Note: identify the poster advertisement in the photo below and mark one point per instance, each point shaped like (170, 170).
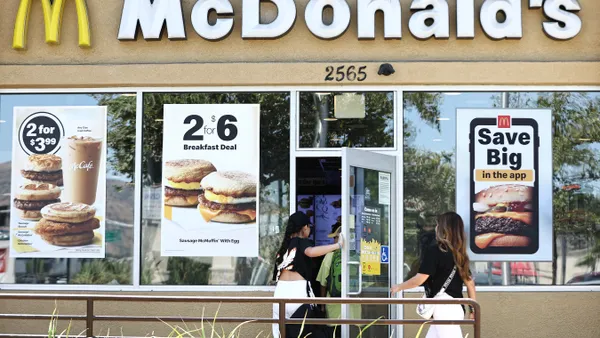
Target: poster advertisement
(210, 180)
(370, 219)
(58, 182)
(370, 247)
(306, 204)
(370, 257)
(504, 183)
(325, 212)
(328, 214)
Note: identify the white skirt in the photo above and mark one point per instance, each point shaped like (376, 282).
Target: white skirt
(446, 312)
(288, 289)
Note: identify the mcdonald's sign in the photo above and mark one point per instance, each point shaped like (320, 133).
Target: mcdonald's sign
(503, 121)
(53, 13)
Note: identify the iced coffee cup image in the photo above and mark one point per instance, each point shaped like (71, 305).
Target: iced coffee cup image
(81, 167)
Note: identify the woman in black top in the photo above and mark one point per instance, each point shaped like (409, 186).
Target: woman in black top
(438, 261)
(293, 265)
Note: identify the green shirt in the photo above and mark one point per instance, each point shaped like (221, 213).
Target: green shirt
(334, 310)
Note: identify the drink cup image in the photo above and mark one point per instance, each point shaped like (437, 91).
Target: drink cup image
(81, 169)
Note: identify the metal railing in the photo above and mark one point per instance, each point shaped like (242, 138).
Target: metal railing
(91, 299)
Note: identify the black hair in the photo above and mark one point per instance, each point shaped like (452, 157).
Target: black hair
(335, 227)
(291, 228)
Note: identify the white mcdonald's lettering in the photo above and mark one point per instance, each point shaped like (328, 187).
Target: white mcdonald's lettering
(152, 17)
(53, 12)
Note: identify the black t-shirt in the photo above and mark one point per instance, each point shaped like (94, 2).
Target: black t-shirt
(295, 259)
(438, 265)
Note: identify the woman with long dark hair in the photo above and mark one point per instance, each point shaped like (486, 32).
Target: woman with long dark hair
(294, 266)
(445, 263)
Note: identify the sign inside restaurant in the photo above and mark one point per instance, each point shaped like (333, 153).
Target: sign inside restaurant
(499, 19)
(210, 181)
(504, 183)
(370, 245)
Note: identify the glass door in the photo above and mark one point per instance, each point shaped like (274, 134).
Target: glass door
(368, 213)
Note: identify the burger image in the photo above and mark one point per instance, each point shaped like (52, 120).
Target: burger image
(182, 181)
(32, 197)
(504, 216)
(228, 197)
(67, 224)
(44, 169)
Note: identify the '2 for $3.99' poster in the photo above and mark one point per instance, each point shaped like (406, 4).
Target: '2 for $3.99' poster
(58, 182)
(210, 180)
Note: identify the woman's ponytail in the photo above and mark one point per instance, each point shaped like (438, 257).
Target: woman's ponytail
(294, 225)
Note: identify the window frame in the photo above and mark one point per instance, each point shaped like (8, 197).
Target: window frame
(394, 90)
(295, 151)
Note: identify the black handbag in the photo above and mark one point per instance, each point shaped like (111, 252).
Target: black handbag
(310, 330)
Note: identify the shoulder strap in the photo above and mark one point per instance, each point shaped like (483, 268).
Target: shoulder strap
(449, 280)
(310, 293)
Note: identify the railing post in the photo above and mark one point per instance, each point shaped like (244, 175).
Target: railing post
(281, 319)
(477, 326)
(89, 319)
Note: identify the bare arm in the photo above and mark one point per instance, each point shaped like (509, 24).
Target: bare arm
(470, 288)
(414, 282)
(471, 294)
(322, 250)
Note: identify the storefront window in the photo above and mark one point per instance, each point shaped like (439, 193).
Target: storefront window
(430, 173)
(273, 194)
(357, 120)
(117, 266)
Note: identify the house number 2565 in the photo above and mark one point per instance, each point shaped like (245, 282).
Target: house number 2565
(345, 73)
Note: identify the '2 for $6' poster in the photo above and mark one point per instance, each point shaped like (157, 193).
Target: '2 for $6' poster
(210, 180)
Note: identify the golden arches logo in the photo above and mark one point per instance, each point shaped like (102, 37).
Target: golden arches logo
(53, 13)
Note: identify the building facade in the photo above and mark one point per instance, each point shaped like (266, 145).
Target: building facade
(385, 77)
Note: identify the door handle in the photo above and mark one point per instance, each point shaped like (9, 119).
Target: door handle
(359, 279)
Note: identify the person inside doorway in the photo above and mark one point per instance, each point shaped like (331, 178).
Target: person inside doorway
(293, 264)
(330, 277)
(445, 260)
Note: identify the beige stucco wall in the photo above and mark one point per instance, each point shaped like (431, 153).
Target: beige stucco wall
(519, 314)
(298, 58)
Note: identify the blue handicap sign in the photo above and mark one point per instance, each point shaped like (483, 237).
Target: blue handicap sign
(385, 254)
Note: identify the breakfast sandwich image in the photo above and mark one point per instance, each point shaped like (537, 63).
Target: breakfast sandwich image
(182, 181)
(228, 197)
(32, 197)
(67, 224)
(43, 169)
